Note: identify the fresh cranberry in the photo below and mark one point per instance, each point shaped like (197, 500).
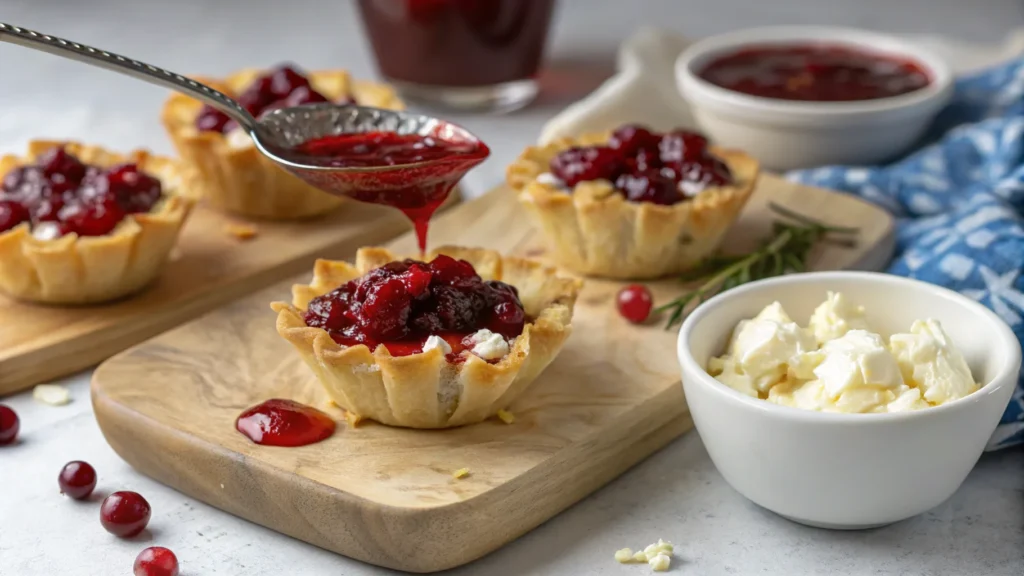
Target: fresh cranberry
(77, 479)
(9, 425)
(654, 186)
(125, 514)
(576, 165)
(12, 214)
(403, 302)
(156, 561)
(634, 303)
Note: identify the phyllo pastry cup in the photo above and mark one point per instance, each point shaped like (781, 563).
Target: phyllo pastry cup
(595, 231)
(73, 269)
(426, 389)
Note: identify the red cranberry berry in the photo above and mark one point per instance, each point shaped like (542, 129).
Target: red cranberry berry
(11, 214)
(576, 165)
(634, 303)
(680, 145)
(9, 425)
(631, 138)
(60, 166)
(211, 120)
(156, 561)
(124, 514)
(77, 479)
(654, 186)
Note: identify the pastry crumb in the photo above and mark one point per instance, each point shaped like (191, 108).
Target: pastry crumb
(460, 473)
(352, 418)
(658, 555)
(624, 556)
(241, 231)
(52, 394)
(506, 416)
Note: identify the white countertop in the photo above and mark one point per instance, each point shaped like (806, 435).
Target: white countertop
(676, 494)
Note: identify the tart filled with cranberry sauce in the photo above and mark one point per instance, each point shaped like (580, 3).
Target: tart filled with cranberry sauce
(408, 305)
(632, 203)
(445, 342)
(81, 225)
(58, 194)
(645, 166)
(281, 87)
(224, 166)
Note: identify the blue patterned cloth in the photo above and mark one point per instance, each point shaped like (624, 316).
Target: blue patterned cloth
(959, 204)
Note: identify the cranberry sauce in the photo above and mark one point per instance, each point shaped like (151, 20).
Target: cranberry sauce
(646, 166)
(817, 73)
(279, 422)
(282, 87)
(401, 304)
(457, 42)
(426, 168)
(66, 196)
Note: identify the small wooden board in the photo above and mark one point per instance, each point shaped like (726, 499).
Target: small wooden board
(386, 495)
(210, 266)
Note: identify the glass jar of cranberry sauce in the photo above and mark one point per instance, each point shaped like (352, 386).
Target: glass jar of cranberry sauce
(462, 54)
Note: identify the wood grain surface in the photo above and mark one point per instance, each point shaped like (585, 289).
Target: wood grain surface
(386, 495)
(209, 267)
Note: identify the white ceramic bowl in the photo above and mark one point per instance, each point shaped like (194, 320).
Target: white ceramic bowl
(785, 134)
(847, 470)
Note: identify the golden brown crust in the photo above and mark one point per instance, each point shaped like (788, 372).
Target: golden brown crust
(595, 231)
(232, 176)
(90, 269)
(424, 390)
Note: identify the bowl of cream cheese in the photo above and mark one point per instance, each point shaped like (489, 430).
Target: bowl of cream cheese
(846, 399)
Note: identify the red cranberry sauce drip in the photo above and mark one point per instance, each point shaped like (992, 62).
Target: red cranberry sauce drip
(279, 422)
(75, 197)
(426, 169)
(815, 73)
(282, 87)
(646, 166)
(401, 304)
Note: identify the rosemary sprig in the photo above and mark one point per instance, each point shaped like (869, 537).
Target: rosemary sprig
(785, 251)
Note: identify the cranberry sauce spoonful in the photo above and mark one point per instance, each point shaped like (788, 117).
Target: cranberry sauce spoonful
(400, 159)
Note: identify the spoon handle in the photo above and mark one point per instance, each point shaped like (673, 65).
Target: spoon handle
(152, 74)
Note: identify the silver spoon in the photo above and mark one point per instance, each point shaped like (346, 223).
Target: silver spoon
(277, 133)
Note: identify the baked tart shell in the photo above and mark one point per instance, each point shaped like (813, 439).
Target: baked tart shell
(424, 390)
(595, 231)
(77, 269)
(235, 177)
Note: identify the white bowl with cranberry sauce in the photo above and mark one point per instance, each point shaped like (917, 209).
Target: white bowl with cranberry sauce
(861, 97)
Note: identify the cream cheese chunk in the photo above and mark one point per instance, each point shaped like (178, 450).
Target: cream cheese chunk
(488, 345)
(838, 364)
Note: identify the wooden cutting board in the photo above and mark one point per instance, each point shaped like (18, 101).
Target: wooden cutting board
(386, 495)
(209, 267)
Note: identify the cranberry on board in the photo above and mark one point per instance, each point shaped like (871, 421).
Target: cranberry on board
(156, 561)
(77, 479)
(634, 303)
(125, 514)
(645, 166)
(9, 425)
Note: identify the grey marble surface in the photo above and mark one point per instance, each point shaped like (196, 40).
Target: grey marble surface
(676, 494)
